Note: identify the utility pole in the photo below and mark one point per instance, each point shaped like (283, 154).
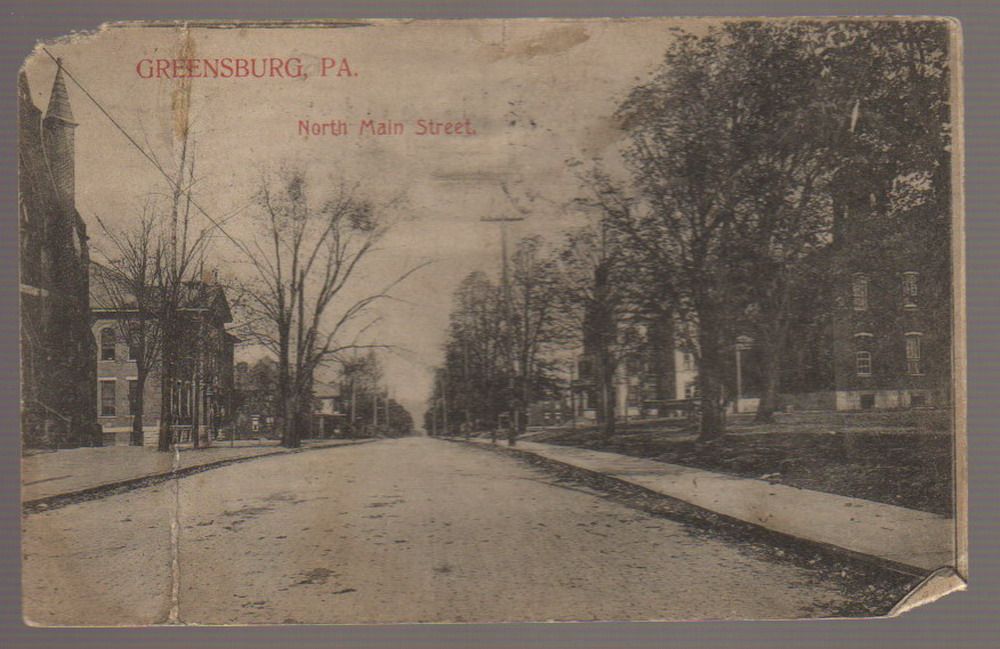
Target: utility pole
(508, 321)
(434, 414)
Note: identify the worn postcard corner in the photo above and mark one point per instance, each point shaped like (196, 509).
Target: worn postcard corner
(483, 321)
(938, 584)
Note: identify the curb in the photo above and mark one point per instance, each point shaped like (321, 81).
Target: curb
(56, 501)
(886, 564)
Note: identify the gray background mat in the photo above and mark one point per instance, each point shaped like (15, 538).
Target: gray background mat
(962, 620)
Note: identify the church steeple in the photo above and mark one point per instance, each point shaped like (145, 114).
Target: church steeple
(59, 107)
(59, 140)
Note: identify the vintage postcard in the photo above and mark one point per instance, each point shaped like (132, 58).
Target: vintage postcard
(375, 322)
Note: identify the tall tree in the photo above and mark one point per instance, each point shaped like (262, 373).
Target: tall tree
(306, 252)
(686, 164)
(475, 353)
(782, 216)
(185, 247)
(594, 283)
(534, 322)
(128, 285)
(362, 389)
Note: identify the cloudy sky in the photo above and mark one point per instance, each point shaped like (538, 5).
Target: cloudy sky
(539, 94)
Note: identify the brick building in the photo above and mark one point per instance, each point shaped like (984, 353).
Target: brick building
(203, 394)
(892, 304)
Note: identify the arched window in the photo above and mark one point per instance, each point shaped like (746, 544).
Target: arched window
(108, 341)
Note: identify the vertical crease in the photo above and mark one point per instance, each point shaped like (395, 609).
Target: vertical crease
(175, 526)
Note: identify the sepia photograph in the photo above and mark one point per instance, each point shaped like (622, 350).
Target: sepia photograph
(487, 321)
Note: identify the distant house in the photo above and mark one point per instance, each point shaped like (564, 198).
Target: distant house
(256, 392)
(329, 416)
(652, 376)
(203, 393)
(58, 365)
(548, 412)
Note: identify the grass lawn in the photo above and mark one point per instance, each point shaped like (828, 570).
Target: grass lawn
(902, 458)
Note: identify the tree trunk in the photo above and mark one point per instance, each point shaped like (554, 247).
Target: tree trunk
(137, 437)
(712, 421)
(606, 392)
(609, 406)
(772, 378)
(773, 340)
(290, 438)
(282, 422)
(303, 411)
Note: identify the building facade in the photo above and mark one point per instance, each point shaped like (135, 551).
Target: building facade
(652, 377)
(892, 305)
(203, 396)
(329, 416)
(58, 366)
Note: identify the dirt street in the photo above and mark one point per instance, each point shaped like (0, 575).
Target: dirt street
(410, 530)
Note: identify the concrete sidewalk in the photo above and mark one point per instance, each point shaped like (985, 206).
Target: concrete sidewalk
(895, 534)
(67, 471)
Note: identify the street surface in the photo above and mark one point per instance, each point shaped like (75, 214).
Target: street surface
(408, 530)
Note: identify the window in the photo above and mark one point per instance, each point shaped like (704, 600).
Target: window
(859, 292)
(133, 395)
(910, 288)
(107, 397)
(108, 344)
(691, 391)
(913, 353)
(863, 363)
(688, 361)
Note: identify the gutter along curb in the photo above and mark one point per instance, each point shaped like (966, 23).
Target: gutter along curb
(57, 501)
(691, 512)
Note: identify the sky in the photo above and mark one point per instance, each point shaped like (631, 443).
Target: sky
(539, 93)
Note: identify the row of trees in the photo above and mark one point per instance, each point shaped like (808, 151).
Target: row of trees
(747, 152)
(366, 402)
(362, 398)
(508, 340)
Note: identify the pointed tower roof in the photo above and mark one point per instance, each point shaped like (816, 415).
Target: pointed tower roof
(59, 99)
(28, 114)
